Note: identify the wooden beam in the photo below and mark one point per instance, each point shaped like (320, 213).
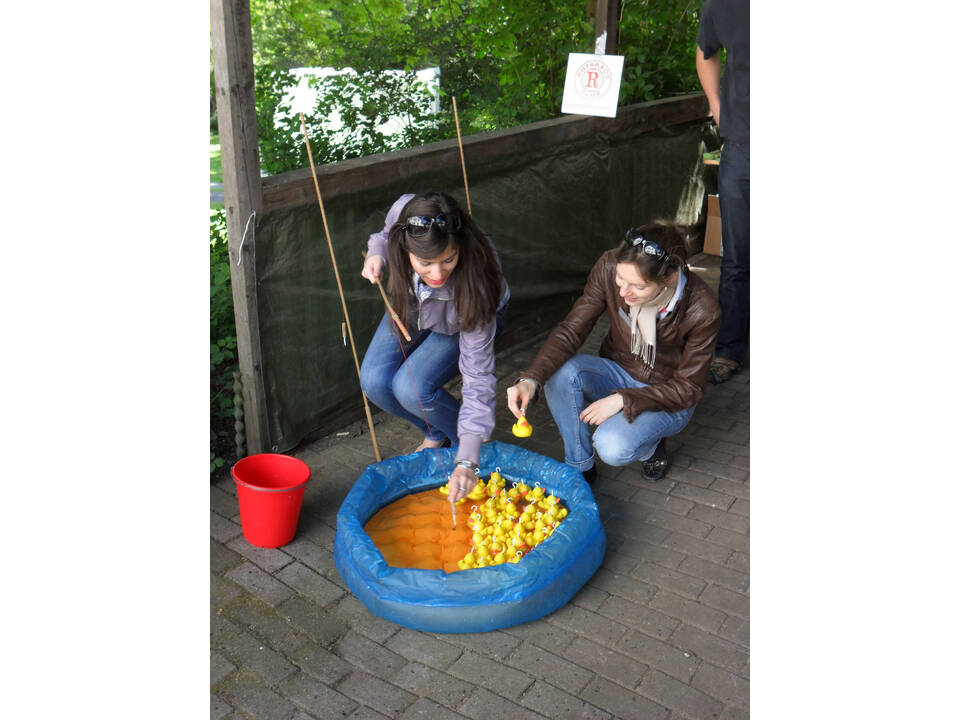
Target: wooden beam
(295, 187)
(243, 196)
(607, 21)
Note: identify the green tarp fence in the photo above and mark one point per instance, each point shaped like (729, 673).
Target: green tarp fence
(550, 212)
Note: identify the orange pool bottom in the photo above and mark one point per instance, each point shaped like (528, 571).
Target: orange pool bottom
(417, 531)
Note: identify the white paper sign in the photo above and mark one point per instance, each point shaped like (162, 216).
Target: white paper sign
(592, 85)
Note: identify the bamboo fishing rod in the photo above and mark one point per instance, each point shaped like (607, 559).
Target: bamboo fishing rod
(390, 310)
(343, 300)
(463, 164)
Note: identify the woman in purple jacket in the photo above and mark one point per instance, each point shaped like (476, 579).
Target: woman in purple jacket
(446, 284)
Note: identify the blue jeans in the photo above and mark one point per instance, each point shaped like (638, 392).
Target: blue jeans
(734, 290)
(401, 388)
(586, 378)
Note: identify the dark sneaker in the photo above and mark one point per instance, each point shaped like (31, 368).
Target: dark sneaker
(590, 475)
(655, 467)
(721, 369)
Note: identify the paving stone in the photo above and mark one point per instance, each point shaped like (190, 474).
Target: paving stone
(222, 558)
(365, 713)
(737, 488)
(704, 549)
(270, 559)
(689, 611)
(683, 583)
(223, 503)
(721, 518)
(222, 529)
(591, 624)
(670, 502)
(368, 655)
(612, 487)
(253, 655)
(480, 670)
(548, 666)
(648, 552)
(496, 644)
(246, 692)
(719, 470)
(739, 461)
(316, 698)
(313, 556)
(323, 664)
(484, 705)
(353, 613)
(717, 574)
(543, 634)
(733, 540)
(711, 648)
(424, 681)
(221, 626)
(675, 523)
(376, 693)
(741, 506)
(608, 663)
(736, 629)
(622, 703)
(722, 685)
(659, 655)
(639, 617)
(260, 583)
(310, 584)
(559, 705)
(679, 696)
(589, 598)
(317, 532)
(219, 708)
(733, 712)
(220, 667)
(425, 709)
(703, 496)
(736, 436)
(692, 477)
(619, 563)
(727, 600)
(222, 591)
(622, 585)
(424, 648)
(322, 625)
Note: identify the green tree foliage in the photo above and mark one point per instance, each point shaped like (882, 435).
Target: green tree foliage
(504, 61)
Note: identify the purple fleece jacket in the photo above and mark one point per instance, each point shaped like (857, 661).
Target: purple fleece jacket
(439, 314)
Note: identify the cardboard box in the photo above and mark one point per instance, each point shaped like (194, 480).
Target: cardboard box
(711, 242)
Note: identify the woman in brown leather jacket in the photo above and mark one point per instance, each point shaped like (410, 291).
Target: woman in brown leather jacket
(653, 363)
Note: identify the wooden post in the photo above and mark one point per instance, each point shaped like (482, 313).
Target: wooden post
(607, 21)
(242, 194)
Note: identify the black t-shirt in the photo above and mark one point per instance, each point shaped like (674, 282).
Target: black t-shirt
(726, 24)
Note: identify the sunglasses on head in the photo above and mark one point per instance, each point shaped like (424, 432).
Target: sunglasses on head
(418, 225)
(647, 247)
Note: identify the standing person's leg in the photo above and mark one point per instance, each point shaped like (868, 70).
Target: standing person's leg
(734, 290)
(580, 381)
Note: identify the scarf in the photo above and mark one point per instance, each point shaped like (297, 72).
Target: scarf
(643, 326)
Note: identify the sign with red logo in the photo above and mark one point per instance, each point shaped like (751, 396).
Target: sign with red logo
(593, 84)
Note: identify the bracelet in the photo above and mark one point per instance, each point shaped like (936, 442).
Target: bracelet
(467, 464)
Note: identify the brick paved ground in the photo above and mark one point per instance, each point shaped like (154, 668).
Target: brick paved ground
(661, 631)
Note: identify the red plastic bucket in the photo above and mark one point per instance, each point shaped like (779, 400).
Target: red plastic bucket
(270, 492)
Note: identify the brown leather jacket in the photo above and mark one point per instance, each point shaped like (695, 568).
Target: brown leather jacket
(685, 340)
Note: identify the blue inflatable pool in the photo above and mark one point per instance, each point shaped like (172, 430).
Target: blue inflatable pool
(479, 599)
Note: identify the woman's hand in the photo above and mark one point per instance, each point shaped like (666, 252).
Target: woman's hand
(519, 396)
(461, 482)
(596, 412)
(373, 268)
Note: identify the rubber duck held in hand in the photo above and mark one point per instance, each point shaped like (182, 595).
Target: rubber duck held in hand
(522, 428)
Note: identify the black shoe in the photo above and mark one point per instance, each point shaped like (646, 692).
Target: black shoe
(721, 369)
(590, 475)
(655, 467)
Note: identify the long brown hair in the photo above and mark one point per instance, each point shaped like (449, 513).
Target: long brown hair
(478, 279)
(669, 237)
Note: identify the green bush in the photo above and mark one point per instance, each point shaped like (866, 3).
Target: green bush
(223, 333)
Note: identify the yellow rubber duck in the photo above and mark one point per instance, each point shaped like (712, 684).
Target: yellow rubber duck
(522, 428)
